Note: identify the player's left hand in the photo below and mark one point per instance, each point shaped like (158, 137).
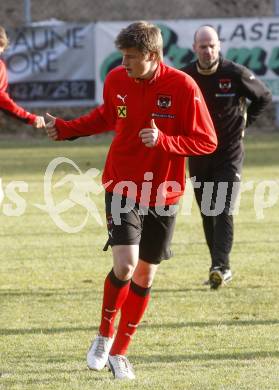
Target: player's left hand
(149, 136)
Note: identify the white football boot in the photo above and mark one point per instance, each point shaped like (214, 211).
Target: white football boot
(120, 367)
(98, 352)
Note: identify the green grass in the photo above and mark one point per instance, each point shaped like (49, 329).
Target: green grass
(190, 338)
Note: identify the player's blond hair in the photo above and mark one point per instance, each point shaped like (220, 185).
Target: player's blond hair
(4, 41)
(143, 36)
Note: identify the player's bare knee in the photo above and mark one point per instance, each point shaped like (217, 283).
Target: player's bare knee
(124, 271)
(144, 274)
(144, 281)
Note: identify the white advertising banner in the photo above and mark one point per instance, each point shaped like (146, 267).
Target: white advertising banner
(253, 42)
(52, 65)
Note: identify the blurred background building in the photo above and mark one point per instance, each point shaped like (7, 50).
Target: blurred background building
(12, 12)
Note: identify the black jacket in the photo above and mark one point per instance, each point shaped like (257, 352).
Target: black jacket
(225, 93)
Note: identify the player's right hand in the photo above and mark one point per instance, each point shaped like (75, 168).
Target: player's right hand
(39, 122)
(50, 127)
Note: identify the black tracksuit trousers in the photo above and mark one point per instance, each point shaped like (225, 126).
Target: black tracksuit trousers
(216, 180)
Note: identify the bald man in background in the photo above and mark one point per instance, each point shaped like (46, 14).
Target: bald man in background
(226, 86)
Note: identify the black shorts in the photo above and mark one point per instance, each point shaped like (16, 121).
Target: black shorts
(150, 228)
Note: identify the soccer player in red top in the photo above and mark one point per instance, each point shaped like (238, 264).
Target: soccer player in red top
(6, 103)
(159, 117)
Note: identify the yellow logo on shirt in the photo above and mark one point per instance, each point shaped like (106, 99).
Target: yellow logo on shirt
(122, 111)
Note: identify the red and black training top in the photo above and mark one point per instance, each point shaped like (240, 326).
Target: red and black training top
(175, 102)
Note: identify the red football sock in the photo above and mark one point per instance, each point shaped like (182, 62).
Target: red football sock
(115, 293)
(131, 314)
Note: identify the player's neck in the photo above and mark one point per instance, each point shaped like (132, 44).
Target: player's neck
(152, 71)
(207, 70)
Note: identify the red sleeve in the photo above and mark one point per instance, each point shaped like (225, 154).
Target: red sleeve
(7, 104)
(99, 120)
(92, 123)
(3, 77)
(199, 134)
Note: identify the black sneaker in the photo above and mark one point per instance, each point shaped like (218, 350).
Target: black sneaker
(218, 278)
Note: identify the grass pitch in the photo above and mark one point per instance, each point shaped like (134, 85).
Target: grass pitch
(191, 338)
